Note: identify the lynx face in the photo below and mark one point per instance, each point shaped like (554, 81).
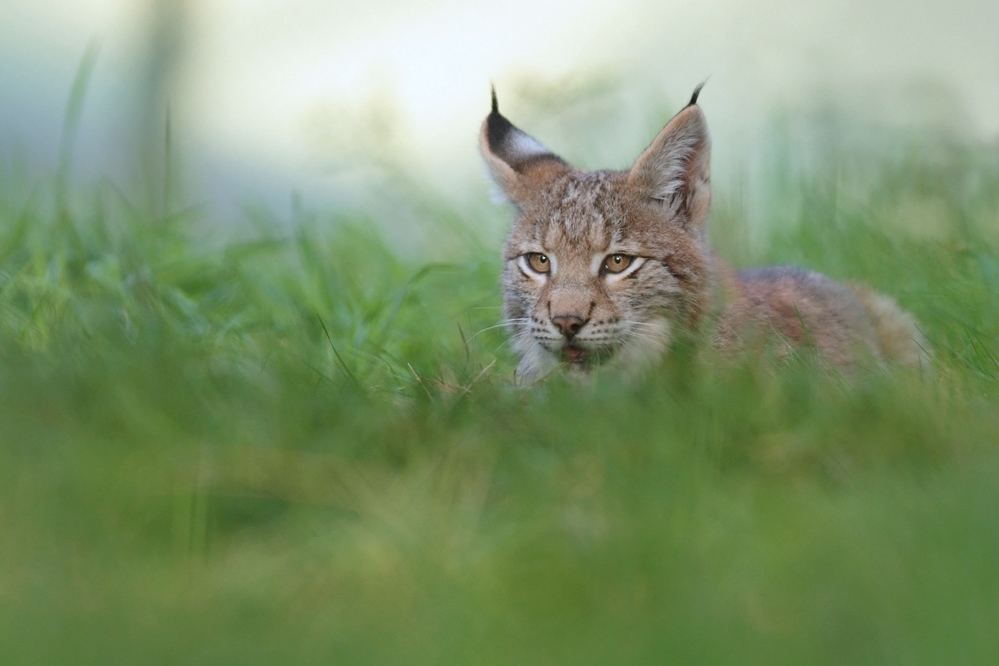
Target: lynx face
(602, 266)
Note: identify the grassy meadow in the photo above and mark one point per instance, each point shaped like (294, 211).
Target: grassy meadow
(303, 445)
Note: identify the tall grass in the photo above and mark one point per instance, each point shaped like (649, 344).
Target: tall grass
(307, 447)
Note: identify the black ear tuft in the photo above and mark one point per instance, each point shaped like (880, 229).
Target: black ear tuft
(495, 103)
(693, 98)
(497, 127)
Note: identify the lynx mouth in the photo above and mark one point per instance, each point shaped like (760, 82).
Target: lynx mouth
(574, 354)
(584, 359)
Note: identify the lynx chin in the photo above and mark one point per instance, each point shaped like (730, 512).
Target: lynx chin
(615, 265)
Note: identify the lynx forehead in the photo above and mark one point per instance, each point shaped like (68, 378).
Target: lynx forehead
(608, 266)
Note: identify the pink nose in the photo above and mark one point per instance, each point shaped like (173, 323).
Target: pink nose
(568, 324)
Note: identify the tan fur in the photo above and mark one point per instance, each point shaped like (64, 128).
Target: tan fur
(899, 336)
(576, 311)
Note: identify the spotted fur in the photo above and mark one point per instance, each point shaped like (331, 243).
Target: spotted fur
(579, 312)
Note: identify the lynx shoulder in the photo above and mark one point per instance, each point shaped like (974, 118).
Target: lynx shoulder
(611, 266)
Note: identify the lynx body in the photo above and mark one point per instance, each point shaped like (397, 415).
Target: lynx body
(614, 265)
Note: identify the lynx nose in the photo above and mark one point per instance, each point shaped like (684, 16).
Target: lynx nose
(568, 324)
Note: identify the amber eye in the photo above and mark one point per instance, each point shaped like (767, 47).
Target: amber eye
(616, 263)
(538, 262)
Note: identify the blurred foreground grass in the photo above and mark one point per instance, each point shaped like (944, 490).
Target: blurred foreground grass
(303, 448)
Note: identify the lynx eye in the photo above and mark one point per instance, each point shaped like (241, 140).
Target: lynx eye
(616, 263)
(538, 262)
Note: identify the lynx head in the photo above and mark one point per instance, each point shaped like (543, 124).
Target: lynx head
(602, 265)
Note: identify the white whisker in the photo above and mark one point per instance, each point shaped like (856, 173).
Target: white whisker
(500, 325)
(647, 324)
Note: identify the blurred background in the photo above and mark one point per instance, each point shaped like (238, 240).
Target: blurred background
(267, 97)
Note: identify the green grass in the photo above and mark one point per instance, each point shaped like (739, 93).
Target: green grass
(304, 448)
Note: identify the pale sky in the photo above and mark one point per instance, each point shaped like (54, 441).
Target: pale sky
(280, 91)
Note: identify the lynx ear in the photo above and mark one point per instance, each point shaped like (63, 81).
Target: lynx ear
(517, 162)
(676, 169)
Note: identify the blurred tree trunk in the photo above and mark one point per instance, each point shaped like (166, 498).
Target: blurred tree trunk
(163, 61)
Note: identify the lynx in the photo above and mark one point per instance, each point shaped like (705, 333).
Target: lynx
(615, 266)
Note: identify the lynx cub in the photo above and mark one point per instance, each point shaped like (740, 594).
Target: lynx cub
(615, 264)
